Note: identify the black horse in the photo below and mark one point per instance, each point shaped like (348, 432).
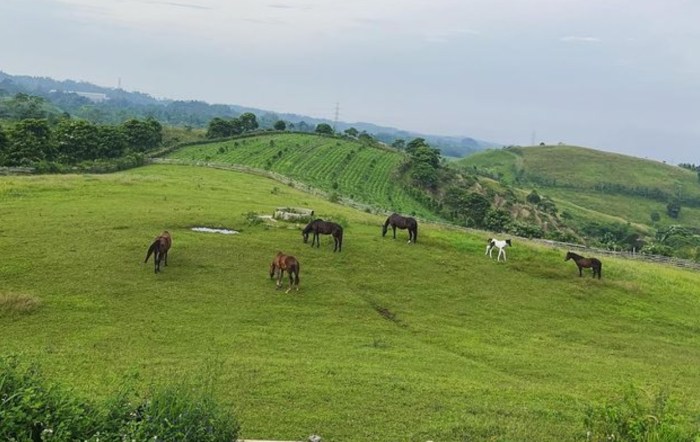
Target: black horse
(159, 249)
(320, 226)
(582, 262)
(402, 222)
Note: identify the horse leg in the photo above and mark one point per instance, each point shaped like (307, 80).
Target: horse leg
(279, 278)
(580, 271)
(165, 256)
(504, 254)
(394, 229)
(318, 239)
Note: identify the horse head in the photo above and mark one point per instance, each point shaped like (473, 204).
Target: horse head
(509, 243)
(305, 235)
(384, 229)
(568, 256)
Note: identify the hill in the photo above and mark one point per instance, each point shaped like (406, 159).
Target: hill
(113, 105)
(367, 174)
(592, 186)
(384, 341)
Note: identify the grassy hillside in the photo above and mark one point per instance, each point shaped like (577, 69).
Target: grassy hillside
(384, 341)
(578, 167)
(596, 186)
(365, 174)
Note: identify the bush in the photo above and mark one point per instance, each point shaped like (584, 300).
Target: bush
(35, 409)
(637, 416)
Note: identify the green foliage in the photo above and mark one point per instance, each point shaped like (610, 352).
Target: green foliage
(324, 128)
(29, 142)
(249, 122)
(655, 217)
(533, 197)
(497, 220)
(143, 135)
(673, 209)
(637, 416)
(280, 125)
(35, 408)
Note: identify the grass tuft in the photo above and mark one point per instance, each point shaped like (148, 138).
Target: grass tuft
(18, 303)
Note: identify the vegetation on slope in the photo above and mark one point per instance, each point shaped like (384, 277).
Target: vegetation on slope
(362, 172)
(384, 341)
(657, 206)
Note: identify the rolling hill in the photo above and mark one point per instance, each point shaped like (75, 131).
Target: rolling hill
(384, 341)
(595, 186)
(367, 174)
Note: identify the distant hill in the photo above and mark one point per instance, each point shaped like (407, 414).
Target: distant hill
(592, 188)
(114, 105)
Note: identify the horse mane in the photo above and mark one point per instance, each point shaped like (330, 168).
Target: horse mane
(573, 255)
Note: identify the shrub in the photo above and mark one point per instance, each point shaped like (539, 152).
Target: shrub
(635, 417)
(34, 409)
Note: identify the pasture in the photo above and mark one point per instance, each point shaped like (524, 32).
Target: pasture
(384, 341)
(363, 173)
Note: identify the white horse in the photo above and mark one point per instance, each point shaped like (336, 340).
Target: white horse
(501, 244)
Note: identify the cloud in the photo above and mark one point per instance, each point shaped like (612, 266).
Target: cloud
(447, 35)
(578, 39)
(184, 5)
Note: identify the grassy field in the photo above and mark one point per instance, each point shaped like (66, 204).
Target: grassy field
(384, 341)
(365, 174)
(574, 171)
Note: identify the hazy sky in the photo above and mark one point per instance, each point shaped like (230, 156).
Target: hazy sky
(617, 75)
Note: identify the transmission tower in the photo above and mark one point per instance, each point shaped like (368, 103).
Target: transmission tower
(337, 112)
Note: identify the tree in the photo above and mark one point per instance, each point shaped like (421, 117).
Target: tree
(497, 220)
(218, 128)
(673, 209)
(76, 140)
(249, 122)
(4, 143)
(351, 132)
(365, 137)
(399, 144)
(112, 141)
(415, 144)
(476, 206)
(533, 197)
(323, 128)
(29, 143)
(280, 125)
(142, 136)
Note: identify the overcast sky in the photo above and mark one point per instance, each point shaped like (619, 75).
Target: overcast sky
(616, 75)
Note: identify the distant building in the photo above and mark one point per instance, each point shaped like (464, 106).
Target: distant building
(95, 97)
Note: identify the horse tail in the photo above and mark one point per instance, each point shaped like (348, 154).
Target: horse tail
(151, 250)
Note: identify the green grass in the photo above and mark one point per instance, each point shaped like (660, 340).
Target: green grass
(365, 174)
(384, 341)
(571, 173)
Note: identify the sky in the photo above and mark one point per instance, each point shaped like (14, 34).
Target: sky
(616, 75)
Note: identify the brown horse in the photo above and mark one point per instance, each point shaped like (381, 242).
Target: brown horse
(582, 262)
(402, 222)
(283, 262)
(320, 226)
(159, 249)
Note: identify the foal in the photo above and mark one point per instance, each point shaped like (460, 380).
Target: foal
(283, 262)
(501, 244)
(159, 249)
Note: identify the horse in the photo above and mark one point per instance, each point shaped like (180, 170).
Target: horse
(582, 262)
(402, 222)
(159, 249)
(283, 262)
(320, 226)
(501, 244)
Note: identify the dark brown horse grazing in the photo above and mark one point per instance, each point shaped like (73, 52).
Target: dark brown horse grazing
(402, 222)
(159, 249)
(320, 226)
(582, 262)
(289, 263)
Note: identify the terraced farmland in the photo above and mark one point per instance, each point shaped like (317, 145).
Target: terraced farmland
(349, 168)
